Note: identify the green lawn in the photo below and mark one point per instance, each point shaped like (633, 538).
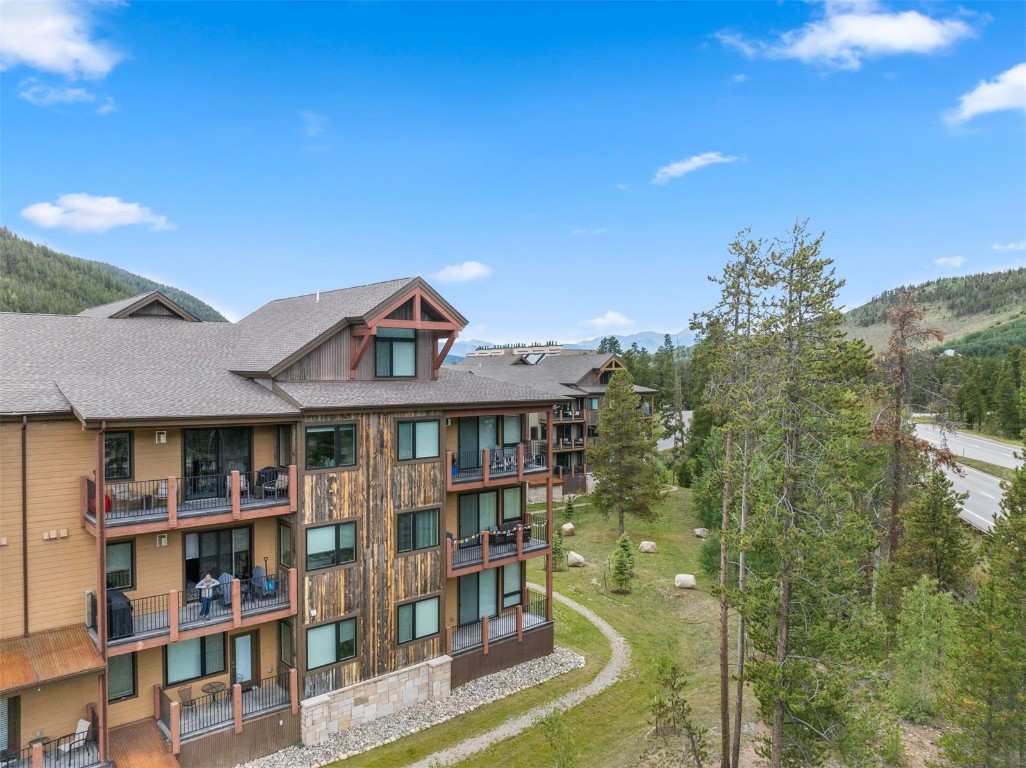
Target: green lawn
(657, 620)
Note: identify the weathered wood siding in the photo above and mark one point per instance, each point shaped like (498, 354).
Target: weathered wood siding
(328, 362)
(372, 493)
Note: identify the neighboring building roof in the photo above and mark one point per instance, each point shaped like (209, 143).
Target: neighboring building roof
(143, 368)
(558, 374)
(282, 328)
(127, 307)
(43, 657)
(453, 388)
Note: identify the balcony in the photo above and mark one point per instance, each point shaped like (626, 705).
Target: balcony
(146, 506)
(497, 546)
(561, 415)
(498, 466)
(181, 716)
(74, 750)
(511, 622)
(144, 622)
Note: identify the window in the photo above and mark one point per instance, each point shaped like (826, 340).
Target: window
(190, 659)
(224, 550)
(285, 651)
(330, 644)
(477, 512)
(331, 446)
(121, 677)
(330, 545)
(418, 440)
(117, 452)
(511, 504)
(395, 352)
(120, 562)
(283, 446)
(418, 530)
(10, 711)
(418, 619)
(478, 596)
(510, 430)
(285, 545)
(593, 403)
(511, 585)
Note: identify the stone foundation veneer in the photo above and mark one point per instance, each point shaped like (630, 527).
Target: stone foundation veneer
(368, 700)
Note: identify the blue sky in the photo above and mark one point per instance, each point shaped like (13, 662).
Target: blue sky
(557, 171)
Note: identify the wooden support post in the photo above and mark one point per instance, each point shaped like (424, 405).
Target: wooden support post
(450, 471)
(236, 494)
(520, 462)
(294, 689)
(486, 469)
(293, 590)
(237, 602)
(520, 623)
(293, 488)
(176, 728)
(173, 603)
(172, 502)
(519, 533)
(37, 756)
(448, 641)
(237, 706)
(484, 635)
(485, 539)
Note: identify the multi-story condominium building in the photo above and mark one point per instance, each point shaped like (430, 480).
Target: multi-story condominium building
(580, 376)
(219, 539)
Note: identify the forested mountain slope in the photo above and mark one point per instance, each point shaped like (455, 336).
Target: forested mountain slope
(979, 314)
(34, 278)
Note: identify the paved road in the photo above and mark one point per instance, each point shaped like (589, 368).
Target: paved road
(972, 446)
(982, 506)
(667, 442)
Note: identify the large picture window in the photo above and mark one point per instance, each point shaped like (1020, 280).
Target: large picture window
(330, 643)
(121, 677)
(417, 620)
(120, 565)
(418, 530)
(330, 545)
(330, 446)
(418, 440)
(395, 353)
(117, 453)
(191, 659)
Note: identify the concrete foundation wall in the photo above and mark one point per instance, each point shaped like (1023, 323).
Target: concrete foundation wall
(332, 712)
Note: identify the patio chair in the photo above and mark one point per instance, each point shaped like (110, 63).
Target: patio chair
(259, 588)
(280, 486)
(226, 588)
(160, 495)
(185, 696)
(81, 734)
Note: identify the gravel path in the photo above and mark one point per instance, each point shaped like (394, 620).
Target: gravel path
(610, 673)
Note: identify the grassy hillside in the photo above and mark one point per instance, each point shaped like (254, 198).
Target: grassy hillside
(34, 278)
(989, 307)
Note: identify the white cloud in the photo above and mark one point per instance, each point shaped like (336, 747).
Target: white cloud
(1006, 91)
(681, 167)
(43, 95)
(609, 320)
(107, 106)
(54, 36)
(853, 31)
(1019, 246)
(739, 78)
(314, 123)
(624, 187)
(82, 212)
(600, 231)
(461, 273)
(952, 262)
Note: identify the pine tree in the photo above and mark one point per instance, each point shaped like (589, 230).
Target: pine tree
(623, 564)
(558, 551)
(624, 461)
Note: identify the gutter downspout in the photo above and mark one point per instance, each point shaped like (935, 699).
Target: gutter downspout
(101, 584)
(24, 525)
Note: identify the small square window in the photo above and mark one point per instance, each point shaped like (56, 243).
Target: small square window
(330, 446)
(418, 440)
(330, 545)
(417, 620)
(117, 452)
(418, 530)
(330, 644)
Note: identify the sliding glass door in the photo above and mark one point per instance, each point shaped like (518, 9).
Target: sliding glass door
(210, 454)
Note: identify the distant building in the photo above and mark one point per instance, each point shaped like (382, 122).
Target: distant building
(577, 374)
(303, 458)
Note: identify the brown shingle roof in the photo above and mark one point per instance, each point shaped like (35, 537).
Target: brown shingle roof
(558, 374)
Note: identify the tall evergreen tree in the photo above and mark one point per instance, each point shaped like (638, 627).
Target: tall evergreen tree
(624, 461)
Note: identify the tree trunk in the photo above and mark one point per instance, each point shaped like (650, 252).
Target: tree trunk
(892, 540)
(724, 629)
(742, 577)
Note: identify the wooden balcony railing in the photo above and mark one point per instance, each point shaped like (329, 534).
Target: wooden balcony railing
(498, 465)
(510, 622)
(491, 548)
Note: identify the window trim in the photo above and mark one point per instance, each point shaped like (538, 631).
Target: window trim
(286, 624)
(389, 342)
(336, 427)
(135, 678)
(131, 456)
(131, 567)
(413, 513)
(204, 672)
(292, 542)
(353, 521)
(412, 603)
(413, 435)
(336, 624)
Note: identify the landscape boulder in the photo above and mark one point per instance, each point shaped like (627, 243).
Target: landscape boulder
(568, 529)
(574, 560)
(648, 546)
(684, 581)
(702, 533)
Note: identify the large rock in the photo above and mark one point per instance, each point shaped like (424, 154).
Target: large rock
(702, 533)
(684, 581)
(648, 546)
(568, 529)
(574, 560)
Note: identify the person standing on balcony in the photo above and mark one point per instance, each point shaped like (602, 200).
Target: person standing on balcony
(206, 587)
